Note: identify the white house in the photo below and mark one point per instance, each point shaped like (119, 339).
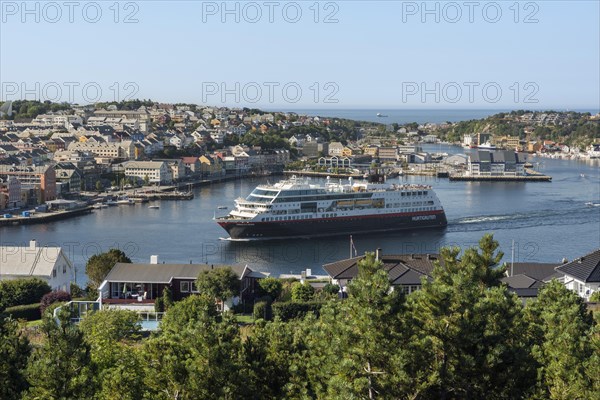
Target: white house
(582, 275)
(156, 171)
(48, 263)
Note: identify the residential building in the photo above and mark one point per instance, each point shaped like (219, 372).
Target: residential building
(336, 149)
(10, 193)
(582, 275)
(405, 271)
(154, 171)
(526, 279)
(132, 285)
(40, 179)
(69, 177)
(48, 263)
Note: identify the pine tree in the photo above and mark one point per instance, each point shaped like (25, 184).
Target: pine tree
(467, 331)
(561, 332)
(14, 351)
(61, 368)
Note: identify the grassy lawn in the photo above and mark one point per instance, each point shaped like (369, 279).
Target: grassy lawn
(31, 324)
(244, 318)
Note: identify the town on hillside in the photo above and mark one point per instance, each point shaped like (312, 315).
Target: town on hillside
(64, 157)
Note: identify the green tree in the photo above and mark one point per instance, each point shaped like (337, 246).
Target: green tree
(560, 328)
(99, 265)
(61, 368)
(146, 180)
(467, 331)
(99, 186)
(167, 298)
(271, 286)
(370, 358)
(219, 283)
(302, 291)
(14, 351)
(197, 355)
(111, 335)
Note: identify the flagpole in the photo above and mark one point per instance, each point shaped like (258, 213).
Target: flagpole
(350, 246)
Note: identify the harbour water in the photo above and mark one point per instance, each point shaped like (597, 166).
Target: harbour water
(403, 116)
(547, 221)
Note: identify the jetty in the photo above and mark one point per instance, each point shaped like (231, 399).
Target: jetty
(42, 217)
(529, 177)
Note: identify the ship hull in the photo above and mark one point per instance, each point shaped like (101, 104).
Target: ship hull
(239, 230)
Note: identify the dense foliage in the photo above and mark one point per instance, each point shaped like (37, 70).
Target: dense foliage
(53, 297)
(99, 265)
(22, 291)
(462, 336)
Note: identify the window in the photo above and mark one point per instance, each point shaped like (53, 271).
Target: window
(54, 273)
(194, 288)
(64, 268)
(185, 287)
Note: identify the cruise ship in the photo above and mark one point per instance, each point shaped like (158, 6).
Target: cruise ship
(297, 208)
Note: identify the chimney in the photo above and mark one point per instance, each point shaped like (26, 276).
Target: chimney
(377, 254)
(153, 259)
(32, 244)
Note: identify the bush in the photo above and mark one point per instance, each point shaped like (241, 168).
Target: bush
(291, 310)
(595, 297)
(29, 312)
(22, 292)
(271, 286)
(302, 292)
(331, 289)
(53, 297)
(159, 304)
(262, 310)
(76, 291)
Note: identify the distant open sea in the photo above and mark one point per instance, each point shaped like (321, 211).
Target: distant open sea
(407, 116)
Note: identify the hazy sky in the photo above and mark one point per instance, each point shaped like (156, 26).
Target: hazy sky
(305, 54)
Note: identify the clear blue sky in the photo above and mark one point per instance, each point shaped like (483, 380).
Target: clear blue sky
(379, 54)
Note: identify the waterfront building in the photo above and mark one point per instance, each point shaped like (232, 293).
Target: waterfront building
(10, 193)
(388, 153)
(48, 263)
(582, 275)
(497, 163)
(68, 177)
(154, 171)
(39, 179)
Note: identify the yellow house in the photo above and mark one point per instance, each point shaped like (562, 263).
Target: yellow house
(210, 165)
(347, 152)
(215, 122)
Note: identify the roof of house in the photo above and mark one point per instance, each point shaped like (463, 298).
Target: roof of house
(538, 271)
(164, 273)
(29, 261)
(585, 269)
(403, 269)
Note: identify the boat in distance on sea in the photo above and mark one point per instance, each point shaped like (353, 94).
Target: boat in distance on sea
(380, 115)
(295, 208)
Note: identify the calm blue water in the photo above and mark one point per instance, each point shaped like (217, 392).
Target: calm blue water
(547, 221)
(407, 116)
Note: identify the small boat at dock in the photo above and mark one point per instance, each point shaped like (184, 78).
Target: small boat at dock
(154, 207)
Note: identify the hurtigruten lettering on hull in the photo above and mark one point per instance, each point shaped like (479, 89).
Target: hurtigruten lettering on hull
(298, 208)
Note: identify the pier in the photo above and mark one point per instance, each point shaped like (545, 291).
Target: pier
(41, 217)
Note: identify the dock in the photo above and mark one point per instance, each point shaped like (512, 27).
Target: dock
(42, 217)
(501, 178)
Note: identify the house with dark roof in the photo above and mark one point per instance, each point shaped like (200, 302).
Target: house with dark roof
(404, 270)
(525, 279)
(582, 275)
(137, 286)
